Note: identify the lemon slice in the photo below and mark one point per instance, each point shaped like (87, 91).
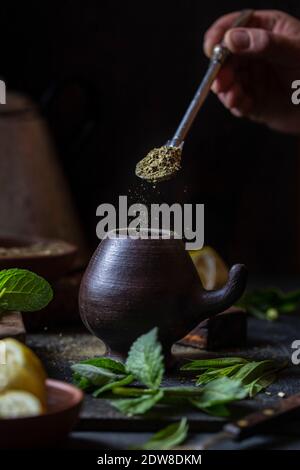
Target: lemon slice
(22, 370)
(18, 404)
(211, 268)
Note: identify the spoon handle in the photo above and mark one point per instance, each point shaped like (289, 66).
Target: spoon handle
(220, 54)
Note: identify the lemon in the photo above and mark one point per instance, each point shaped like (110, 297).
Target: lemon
(211, 268)
(18, 404)
(22, 370)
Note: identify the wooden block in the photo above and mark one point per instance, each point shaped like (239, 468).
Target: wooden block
(12, 326)
(225, 330)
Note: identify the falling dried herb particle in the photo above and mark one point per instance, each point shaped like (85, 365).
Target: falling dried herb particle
(160, 164)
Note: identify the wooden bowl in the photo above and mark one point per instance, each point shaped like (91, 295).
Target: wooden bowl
(64, 403)
(39, 255)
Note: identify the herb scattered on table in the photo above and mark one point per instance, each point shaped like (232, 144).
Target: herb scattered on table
(23, 290)
(110, 379)
(167, 438)
(254, 376)
(269, 303)
(219, 383)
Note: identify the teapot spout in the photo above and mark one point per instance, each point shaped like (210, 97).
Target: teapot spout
(219, 300)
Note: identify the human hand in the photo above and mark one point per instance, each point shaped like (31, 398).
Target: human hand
(256, 80)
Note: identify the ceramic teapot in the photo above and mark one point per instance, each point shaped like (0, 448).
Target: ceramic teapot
(134, 284)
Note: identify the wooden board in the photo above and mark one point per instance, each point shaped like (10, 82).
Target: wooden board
(12, 326)
(266, 340)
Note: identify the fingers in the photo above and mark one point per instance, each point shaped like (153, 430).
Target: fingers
(236, 100)
(224, 80)
(217, 30)
(228, 86)
(265, 19)
(260, 43)
(232, 94)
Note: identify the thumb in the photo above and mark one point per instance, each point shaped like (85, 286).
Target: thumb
(263, 44)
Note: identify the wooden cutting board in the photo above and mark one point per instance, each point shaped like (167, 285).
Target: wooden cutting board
(266, 340)
(12, 326)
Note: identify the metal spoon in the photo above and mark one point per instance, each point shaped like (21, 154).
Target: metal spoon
(219, 55)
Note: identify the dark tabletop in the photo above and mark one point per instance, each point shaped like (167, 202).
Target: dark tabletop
(102, 427)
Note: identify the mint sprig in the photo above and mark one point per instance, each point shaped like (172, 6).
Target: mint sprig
(253, 376)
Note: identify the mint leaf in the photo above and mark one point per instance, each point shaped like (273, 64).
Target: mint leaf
(212, 374)
(252, 371)
(95, 375)
(106, 363)
(23, 290)
(260, 383)
(253, 375)
(81, 382)
(137, 406)
(218, 363)
(167, 438)
(110, 385)
(145, 360)
(219, 392)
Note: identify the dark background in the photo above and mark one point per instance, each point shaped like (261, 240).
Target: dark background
(128, 70)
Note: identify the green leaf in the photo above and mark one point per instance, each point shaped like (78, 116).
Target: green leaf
(106, 363)
(254, 376)
(253, 370)
(167, 438)
(111, 385)
(95, 375)
(81, 382)
(137, 406)
(200, 364)
(23, 290)
(260, 384)
(220, 392)
(212, 374)
(145, 360)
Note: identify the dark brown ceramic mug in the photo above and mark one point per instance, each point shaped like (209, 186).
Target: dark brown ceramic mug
(132, 285)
